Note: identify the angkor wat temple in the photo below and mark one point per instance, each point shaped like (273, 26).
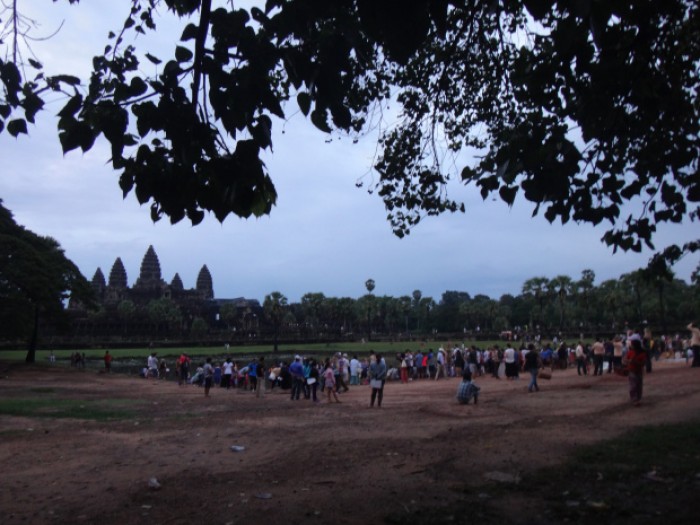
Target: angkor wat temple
(128, 310)
(149, 285)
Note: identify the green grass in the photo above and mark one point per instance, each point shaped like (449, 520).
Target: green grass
(317, 349)
(65, 408)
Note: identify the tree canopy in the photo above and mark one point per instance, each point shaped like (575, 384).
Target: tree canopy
(35, 279)
(587, 109)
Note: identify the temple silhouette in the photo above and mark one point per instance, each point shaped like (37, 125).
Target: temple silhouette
(127, 310)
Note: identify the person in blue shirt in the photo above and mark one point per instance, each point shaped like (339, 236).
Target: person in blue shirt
(297, 371)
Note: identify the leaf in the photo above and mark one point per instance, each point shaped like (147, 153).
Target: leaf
(17, 126)
(318, 119)
(35, 64)
(152, 59)
(137, 87)
(304, 101)
(72, 106)
(189, 33)
(508, 194)
(182, 54)
(66, 79)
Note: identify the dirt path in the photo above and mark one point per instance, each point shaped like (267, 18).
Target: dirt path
(303, 462)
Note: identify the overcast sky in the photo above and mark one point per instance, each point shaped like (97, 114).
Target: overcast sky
(325, 235)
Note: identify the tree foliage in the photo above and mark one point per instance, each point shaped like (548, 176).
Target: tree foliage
(36, 278)
(587, 109)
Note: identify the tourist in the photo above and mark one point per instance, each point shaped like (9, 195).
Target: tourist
(226, 378)
(217, 374)
(297, 371)
(609, 354)
(108, 361)
(635, 362)
(467, 389)
(618, 350)
(419, 371)
(312, 379)
(208, 376)
(458, 359)
(343, 365)
(183, 368)
(509, 357)
(355, 371)
(429, 361)
(695, 344)
(581, 359)
(473, 360)
(162, 369)
(404, 369)
(329, 382)
(440, 366)
(52, 357)
(650, 347)
(598, 357)
(533, 363)
(377, 376)
(260, 374)
(152, 364)
(252, 375)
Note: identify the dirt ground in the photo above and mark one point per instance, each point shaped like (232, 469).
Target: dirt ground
(303, 462)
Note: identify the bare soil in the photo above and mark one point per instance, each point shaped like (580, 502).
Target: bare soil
(421, 453)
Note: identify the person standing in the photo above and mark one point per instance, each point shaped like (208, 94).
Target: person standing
(343, 365)
(581, 359)
(509, 357)
(354, 371)
(313, 379)
(296, 369)
(329, 382)
(208, 371)
(598, 357)
(377, 376)
(108, 361)
(404, 369)
(227, 373)
(183, 364)
(635, 361)
(533, 363)
(260, 373)
(695, 344)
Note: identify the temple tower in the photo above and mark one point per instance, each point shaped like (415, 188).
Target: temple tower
(204, 283)
(117, 276)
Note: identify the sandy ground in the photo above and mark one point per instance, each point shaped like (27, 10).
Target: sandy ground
(303, 462)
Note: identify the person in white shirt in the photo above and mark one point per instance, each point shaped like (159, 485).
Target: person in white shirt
(226, 378)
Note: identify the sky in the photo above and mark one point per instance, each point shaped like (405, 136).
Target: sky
(324, 235)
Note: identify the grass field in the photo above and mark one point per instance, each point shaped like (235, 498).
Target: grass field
(320, 349)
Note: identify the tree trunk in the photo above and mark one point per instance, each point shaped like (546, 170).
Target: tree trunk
(31, 353)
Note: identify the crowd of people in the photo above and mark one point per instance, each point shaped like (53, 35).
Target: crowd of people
(630, 354)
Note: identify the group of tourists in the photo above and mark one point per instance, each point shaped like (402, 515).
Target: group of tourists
(630, 354)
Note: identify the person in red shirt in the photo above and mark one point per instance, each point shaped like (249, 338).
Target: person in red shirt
(108, 361)
(635, 361)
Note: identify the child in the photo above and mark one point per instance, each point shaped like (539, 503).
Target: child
(467, 389)
(329, 382)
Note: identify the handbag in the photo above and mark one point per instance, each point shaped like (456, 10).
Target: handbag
(310, 380)
(375, 383)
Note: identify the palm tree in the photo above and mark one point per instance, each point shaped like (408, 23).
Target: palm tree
(585, 289)
(537, 288)
(561, 287)
(274, 307)
(369, 284)
(417, 294)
